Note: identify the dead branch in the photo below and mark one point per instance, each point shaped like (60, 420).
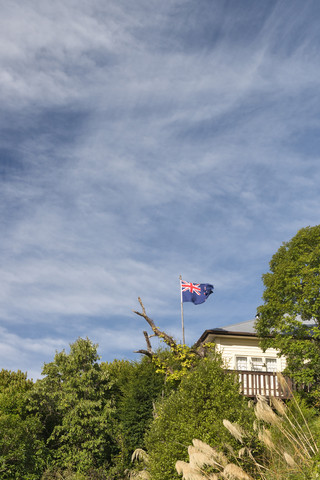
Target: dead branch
(144, 352)
(201, 352)
(149, 352)
(147, 337)
(157, 332)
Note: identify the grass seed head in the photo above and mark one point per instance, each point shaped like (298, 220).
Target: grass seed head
(199, 458)
(242, 452)
(236, 431)
(233, 472)
(218, 457)
(264, 412)
(289, 460)
(140, 454)
(187, 471)
(283, 382)
(265, 437)
(230, 449)
(278, 405)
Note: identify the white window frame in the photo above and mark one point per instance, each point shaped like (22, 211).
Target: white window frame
(257, 366)
(241, 357)
(264, 362)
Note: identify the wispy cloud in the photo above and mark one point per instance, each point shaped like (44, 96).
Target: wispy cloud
(143, 141)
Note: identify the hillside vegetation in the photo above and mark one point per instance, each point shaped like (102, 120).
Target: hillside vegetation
(85, 418)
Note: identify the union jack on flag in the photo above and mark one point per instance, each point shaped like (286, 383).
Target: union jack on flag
(195, 292)
(191, 287)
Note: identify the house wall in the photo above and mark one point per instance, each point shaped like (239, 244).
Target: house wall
(232, 347)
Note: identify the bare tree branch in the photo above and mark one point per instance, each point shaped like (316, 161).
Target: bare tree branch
(167, 338)
(149, 352)
(146, 336)
(144, 352)
(201, 352)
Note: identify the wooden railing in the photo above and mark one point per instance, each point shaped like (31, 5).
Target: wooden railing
(264, 383)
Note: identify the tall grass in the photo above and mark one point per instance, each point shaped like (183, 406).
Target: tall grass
(289, 449)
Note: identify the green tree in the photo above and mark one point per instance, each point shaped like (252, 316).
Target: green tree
(22, 452)
(205, 396)
(74, 404)
(135, 407)
(289, 320)
(137, 386)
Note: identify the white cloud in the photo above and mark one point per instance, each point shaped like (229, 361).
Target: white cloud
(19, 352)
(143, 142)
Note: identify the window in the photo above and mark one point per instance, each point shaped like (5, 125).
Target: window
(257, 364)
(241, 363)
(271, 364)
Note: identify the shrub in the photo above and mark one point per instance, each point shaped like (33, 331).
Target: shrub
(196, 409)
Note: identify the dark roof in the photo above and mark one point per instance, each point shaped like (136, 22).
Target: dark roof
(242, 329)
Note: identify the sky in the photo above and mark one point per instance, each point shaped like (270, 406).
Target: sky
(141, 141)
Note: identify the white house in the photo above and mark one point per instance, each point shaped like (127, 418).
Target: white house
(239, 346)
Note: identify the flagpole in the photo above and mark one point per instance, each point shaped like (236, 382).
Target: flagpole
(182, 321)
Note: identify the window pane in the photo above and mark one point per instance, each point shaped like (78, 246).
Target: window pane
(241, 363)
(257, 364)
(271, 364)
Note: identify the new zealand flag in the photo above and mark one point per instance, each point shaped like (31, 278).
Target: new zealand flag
(195, 292)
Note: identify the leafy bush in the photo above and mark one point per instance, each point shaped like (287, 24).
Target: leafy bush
(205, 396)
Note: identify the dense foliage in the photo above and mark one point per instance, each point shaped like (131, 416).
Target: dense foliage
(81, 421)
(74, 404)
(22, 449)
(196, 409)
(84, 418)
(137, 386)
(289, 320)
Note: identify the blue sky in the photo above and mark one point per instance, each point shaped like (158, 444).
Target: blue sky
(140, 141)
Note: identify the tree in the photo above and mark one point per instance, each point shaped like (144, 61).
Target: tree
(22, 452)
(289, 320)
(74, 404)
(137, 386)
(177, 360)
(205, 396)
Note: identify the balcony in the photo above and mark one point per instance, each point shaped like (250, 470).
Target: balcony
(253, 383)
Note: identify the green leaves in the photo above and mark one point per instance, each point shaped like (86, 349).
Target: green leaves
(22, 451)
(176, 362)
(206, 395)
(74, 404)
(291, 298)
(137, 386)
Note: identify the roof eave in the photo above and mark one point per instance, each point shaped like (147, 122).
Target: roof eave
(214, 331)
